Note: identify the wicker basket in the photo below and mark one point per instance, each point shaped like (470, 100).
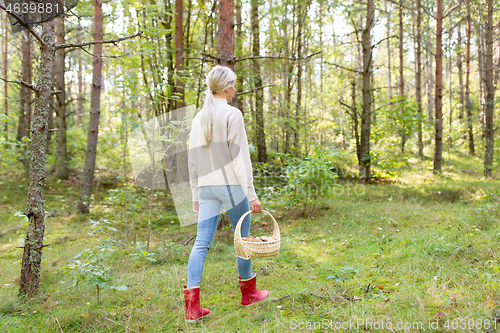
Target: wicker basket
(254, 250)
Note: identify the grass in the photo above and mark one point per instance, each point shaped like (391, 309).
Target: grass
(410, 251)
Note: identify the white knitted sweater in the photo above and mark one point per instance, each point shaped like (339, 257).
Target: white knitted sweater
(226, 160)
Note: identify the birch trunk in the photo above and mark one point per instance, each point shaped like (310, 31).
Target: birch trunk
(239, 54)
(418, 79)
(365, 172)
(259, 94)
(61, 167)
(95, 111)
(490, 95)
(401, 82)
(79, 105)
(5, 71)
(468, 106)
(179, 51)
(438, 121)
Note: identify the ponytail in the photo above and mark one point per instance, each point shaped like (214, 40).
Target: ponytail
(218, 80)
(207, 116)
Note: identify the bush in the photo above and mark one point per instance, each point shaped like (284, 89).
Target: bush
(309, 177)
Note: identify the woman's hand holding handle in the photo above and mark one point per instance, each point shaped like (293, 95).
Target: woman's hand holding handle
(256, 206)
(196, 206)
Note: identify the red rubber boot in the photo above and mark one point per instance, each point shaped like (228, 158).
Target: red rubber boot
(193, 309)
(249, 292)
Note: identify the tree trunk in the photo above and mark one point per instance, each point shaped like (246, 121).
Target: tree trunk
(438, 121)
(364, 171)
(226, 33)
(239, 54)
(490, 95)
(389, 55)
(61, 166)
(259, 94)
(5, 72)
(460, 74)
(450, 96)
(79, 105)
(179, 50)
(418, 79)
(95, 111)
(401, 81)
(25, 94)
(296, 127)
(430, 84)
(288, 69)
(482, 87)
(33, 244)
(355, 125)
(468, 106)
(167, 101)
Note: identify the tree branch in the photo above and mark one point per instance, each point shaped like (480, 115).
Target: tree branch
(107, 41)
(210, 56)
(278, 57)
(24, 24)
(250, 91)
(198, 58)
(452, 9)
(103, 56)
(26, 84)
(340, 66)
(348, 107)
(382, 40)
(398, 4)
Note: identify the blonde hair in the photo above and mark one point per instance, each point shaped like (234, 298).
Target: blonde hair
(219, 79)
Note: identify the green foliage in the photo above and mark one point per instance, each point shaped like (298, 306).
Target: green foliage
(91, 266)
(142, 254)
(343, 274)
(309, 177)
(76, 144)
(134, 199)
(492, 276)
(10, 154)
(387, 163)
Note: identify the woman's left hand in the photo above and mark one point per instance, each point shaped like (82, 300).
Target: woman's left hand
(196, 206)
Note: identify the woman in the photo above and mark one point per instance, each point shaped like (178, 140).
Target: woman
(220, 173)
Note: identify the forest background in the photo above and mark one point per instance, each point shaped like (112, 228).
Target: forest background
(339, 99)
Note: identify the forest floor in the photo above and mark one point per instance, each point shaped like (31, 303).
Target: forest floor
(419, 253)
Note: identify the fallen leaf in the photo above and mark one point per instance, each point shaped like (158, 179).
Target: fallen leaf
(439, 314)
(491, 304)
(264, 223)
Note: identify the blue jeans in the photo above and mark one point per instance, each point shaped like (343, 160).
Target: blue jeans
(211, 199)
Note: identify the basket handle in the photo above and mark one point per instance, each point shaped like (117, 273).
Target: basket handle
(237, 230)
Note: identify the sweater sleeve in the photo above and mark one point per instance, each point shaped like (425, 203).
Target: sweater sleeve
(240, 155)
